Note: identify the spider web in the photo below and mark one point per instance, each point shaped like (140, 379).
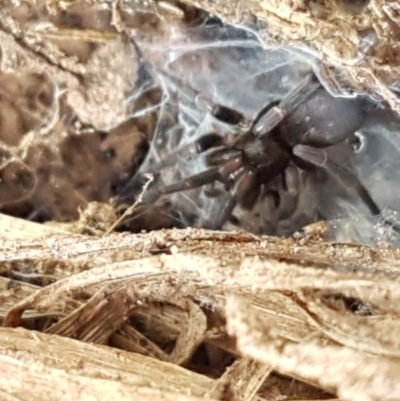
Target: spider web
(232, 67)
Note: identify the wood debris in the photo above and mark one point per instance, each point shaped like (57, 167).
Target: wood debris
(183, 315)
(241, 309)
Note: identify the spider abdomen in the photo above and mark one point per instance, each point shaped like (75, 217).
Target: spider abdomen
(323, 120)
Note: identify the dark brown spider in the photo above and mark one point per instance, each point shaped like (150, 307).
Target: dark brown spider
(297, 130)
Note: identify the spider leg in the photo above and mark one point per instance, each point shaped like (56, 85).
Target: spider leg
(291, 180)
(192, 182)
(238, 179)
(245, 181)
(232, 162)
(319, 158)
(219, 111)
(271, 117)
(153, 193)
(288, 189)
(194, 148)
(203, 144)
(134, 188)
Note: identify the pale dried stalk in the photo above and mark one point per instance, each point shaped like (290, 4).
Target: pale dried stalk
(131, 208)
(244, 378)
(292, 302)
(197, 277)
(82, 359)
(12, 228)
(131, 340)
(76, 253)
(380, 334)
(11, 292)
(34, 381)
(351, 374)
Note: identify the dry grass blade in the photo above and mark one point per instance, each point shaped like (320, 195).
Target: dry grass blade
(141, 270)
(99, 362)
(11, 292)
(14, 228)
(351, 374)
(192, 334)
(83, 322)
(375, 287)
(243, 380)
(379, 333)
(17, 377)
(131, 208)
(114, 301)
(130, 339)
(173, 304)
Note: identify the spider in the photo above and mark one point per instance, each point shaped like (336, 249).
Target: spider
(298, 130)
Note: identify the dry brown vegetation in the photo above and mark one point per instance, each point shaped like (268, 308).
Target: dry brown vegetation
(175, 314)
(192, 313)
